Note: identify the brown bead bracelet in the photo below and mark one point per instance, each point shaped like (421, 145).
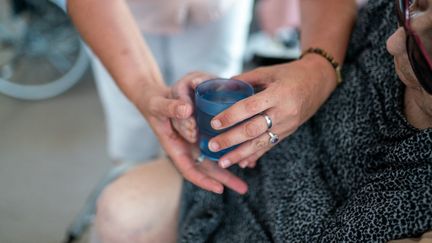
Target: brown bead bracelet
(329, 58)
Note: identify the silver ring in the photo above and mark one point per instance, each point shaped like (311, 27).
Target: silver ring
(268, 120)
(200, 159)
(274, 139)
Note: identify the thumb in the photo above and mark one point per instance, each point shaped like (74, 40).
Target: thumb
(184, 88)
(170, 108)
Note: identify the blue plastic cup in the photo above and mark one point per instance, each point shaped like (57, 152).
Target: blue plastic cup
(212, 97)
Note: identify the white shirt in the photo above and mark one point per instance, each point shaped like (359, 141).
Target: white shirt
(170, 16)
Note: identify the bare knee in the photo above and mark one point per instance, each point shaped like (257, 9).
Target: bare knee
(141, 206)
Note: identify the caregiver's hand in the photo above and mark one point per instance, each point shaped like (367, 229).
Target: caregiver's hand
(207, 174)
(184, 90)
(291, 94)
(158, 107)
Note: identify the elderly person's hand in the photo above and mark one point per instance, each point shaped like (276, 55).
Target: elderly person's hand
(413, 60)
(291, 94)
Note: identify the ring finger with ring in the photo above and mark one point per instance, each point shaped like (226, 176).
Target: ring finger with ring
(260, 144)
(249, 130)
(268, 120)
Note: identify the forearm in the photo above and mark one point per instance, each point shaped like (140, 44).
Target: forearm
(327, 24)
(110, 30)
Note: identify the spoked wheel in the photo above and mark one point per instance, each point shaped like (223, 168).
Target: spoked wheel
(41, 55)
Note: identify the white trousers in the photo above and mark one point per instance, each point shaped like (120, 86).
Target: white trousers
(215, 48)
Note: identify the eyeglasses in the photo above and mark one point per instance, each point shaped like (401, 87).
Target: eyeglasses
(420, 60)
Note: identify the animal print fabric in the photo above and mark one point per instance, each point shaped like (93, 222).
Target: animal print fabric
(356, 172)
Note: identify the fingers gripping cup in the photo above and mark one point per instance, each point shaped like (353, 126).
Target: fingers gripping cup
(211, 98)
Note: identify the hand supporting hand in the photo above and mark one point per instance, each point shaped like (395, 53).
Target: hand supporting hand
(159, 107)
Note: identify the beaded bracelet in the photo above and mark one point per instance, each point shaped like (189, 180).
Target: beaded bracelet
(329, 58)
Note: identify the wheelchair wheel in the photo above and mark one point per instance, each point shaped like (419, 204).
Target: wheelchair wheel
(41, 55)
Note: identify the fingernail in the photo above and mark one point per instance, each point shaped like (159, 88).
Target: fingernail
(243, 164)
(242, 192)
(225, 163)
(218, 190)
(213, 146)
(181, 111)
(216, 124)
(196, 82)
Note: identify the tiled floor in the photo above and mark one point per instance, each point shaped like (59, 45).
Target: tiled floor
(52, 153)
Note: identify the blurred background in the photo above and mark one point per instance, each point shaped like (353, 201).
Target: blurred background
(52, 133)
(52, 150)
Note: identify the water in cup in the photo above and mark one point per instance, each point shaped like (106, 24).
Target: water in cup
(211, 98)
